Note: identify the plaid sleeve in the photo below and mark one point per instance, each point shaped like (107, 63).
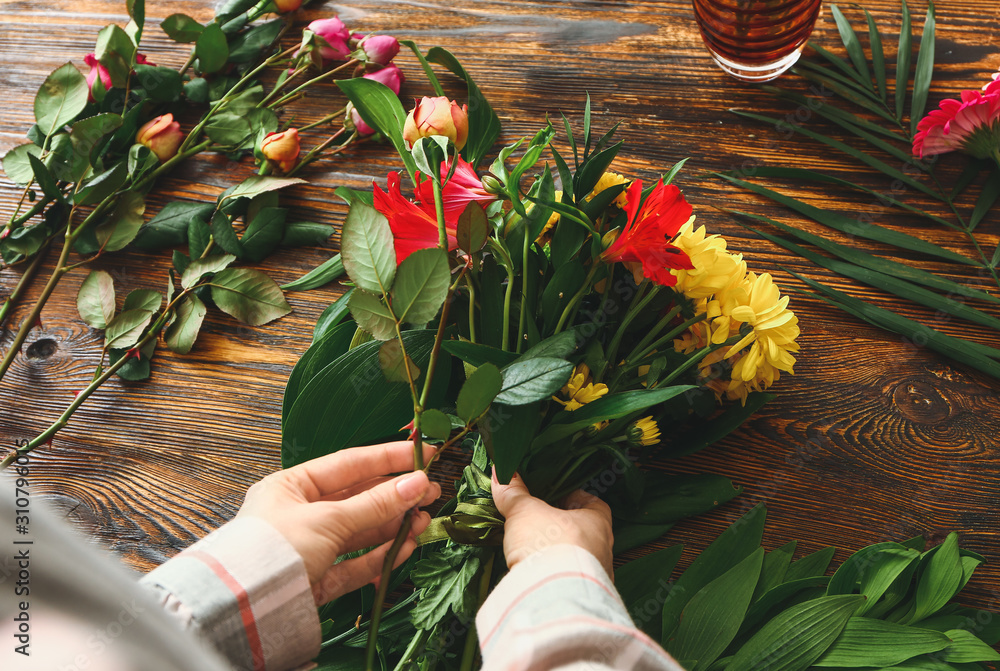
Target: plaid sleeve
(244, 589)
(558, 610)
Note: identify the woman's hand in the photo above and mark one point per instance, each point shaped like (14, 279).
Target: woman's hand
(344, 502)
(533, 525)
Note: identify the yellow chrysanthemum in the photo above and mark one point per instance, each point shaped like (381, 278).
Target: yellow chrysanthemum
(546, 233)
(644, 432)
(608, 180)
(714, 270)
(580, 390)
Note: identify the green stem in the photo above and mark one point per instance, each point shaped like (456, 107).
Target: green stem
(648, 338)
(276, 89)
(291, 95)
(416, 643)
(472, 308)
(383, 587)
(327, 119)
(22, 284)
(577, 297)
(471, 638)
(505, 341)
(16, 221)
(522, 317)
(639, 302)
(439, 211)
(313, 153)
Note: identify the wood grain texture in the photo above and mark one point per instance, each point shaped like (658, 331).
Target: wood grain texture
(874, 438)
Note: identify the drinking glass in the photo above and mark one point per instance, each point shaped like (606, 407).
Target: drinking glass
(755, 40)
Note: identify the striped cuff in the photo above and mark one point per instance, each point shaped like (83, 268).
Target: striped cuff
(558, 609)
(244, 589)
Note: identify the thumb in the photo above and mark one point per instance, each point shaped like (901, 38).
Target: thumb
(508, 496)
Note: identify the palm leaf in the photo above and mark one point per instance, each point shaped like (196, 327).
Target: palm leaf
(903, 62)
(845, 224)
(834, 113)
(924, 71)
(878, 55)
(987, 197)
(839, 63)
(853, 45)
(873, 105)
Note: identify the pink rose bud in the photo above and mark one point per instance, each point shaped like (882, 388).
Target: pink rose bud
(96, 70)
(285, 6)
(336, 35)
(437, 116)
(140, 59)
(390, 75)
(282, 148)
(356, 123)
(380, 49)
(162, 135)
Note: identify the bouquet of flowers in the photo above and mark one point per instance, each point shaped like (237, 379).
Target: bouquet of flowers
(579, 322)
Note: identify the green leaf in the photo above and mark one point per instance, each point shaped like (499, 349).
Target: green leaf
(245, 47)
(228, 130)
(810, 566)
(878, 55)
(484, 124)
(169, 228)
(421, 285)
(200, 267)
(643, 584)
(183, 331)
(866, 642)
(435, 424)
(842, 118)
(371, 314)
(60, 99)
(96, 299)
(780, 597)
(380, 108)
(670, 498)
(256, 185)
(121, 227)
(349, 402)
(211, 49)
(125, 330)
(160, 84)
(799, 636)
(136, 368)
(366, 246)
(735, 544)
(924, 71)
(87, 133)
(966, 648)
(507, 431)
(143, 299)
(16, 164)
(987, 197)
(248, 295)
(535, 379)
(44, 178)
(611, 406)
(181, 28)
(140, 161)
(473, 228)
(881, 572)
(854, 227)
(476, 354)
(478, 392)
(903, 56)
(306, 234)
(713, 616)
(199, 235)
(117, 52)
(851, 43)
(324, 351)
(445, 583)
(326, 272)
(730, 419)
(264, 233)
(395, 363)
(224, 235)
(939, 582)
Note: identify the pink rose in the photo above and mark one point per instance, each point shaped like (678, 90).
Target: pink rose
(380, 49)
(437, 116)
(390, 75)
(162, 135)
(336, 35)
(96, 70)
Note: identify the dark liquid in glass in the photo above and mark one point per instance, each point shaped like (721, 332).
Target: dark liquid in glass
(755, 32)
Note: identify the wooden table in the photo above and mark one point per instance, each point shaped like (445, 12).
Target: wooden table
(872, 439)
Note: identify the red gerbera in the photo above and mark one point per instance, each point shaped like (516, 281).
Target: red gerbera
(414, 226)
(647, 235)
(463, 188)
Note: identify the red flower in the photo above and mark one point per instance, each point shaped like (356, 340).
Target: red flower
(414, 226)
(646, 237)
(463, 187)
(971, 124)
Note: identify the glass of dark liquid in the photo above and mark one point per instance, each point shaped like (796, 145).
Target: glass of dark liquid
(755, 40)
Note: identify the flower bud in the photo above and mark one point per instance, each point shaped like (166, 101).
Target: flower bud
(282, 148)
(285, 6)
(643, 432)
(96, 70)
(162, 135)
(353, 121)
(390, 75)
(492, 185)
(336, 37)
(380, 49)
(437, 116)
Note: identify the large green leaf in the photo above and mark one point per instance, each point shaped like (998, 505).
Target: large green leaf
(811, 565)
(940, 580)
(350, 403)
(326, 272)
(62, 96)
(445, 583)
(643, 584)
(966, 648)
(183, 332)
(125, 330)
(478, 392)
(731, 547)
(211, 48)
(96, 299)
(380, 108)
(507, 431)
(248, 295)
(865, 642)
(713, 616)
(671, 498)
(421, 285)
(169, 228)
(366, 247)
(123, 224)
(320, 354)
(181, 28)
(797, 637)
(535, 379)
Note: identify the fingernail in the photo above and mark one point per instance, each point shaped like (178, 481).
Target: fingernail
(413, 486)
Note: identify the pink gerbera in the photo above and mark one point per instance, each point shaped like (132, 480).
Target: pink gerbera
(971, 125)
(463, 187)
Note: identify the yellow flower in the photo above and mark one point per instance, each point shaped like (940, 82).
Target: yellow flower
(608, 180)
(644, 432)
(714, 270)
(546, 233)
(580, 390)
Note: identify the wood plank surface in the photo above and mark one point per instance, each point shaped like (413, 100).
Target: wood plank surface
(874, 438)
